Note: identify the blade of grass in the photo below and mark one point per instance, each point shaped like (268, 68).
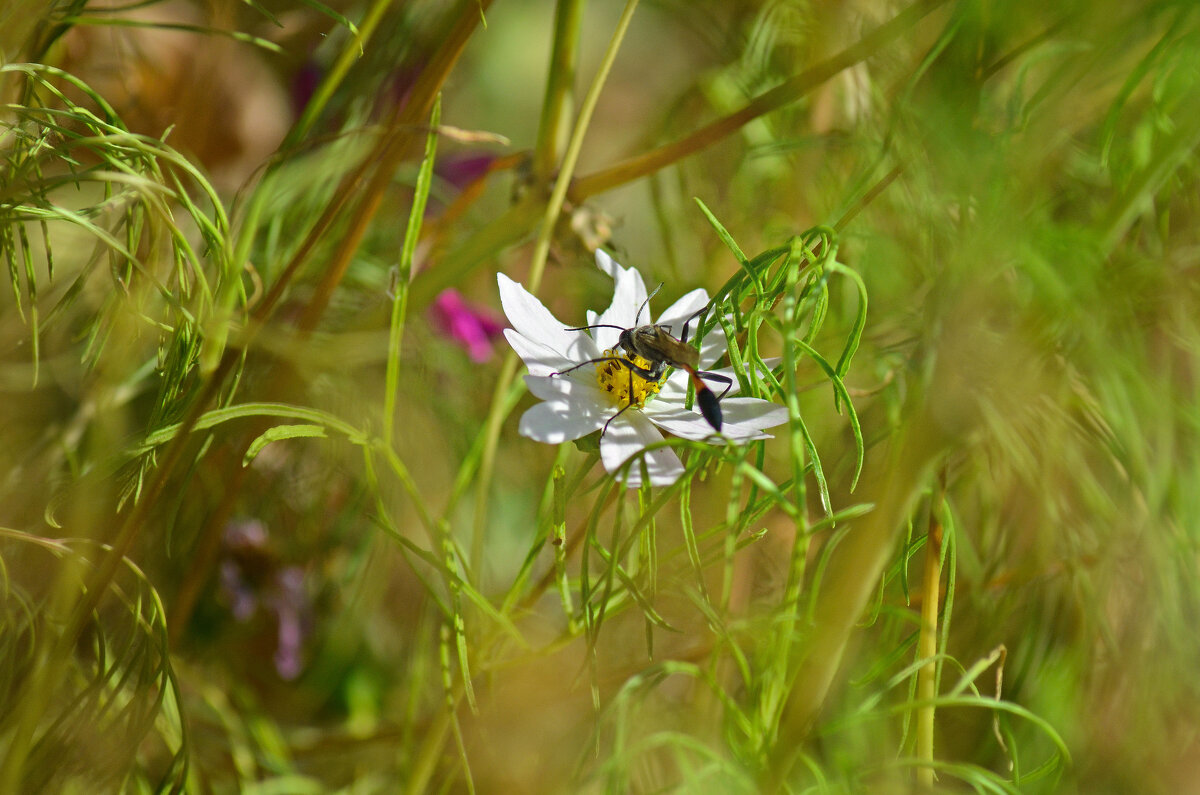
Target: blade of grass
(404, 277)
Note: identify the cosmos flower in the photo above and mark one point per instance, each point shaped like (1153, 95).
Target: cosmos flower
(584, 400)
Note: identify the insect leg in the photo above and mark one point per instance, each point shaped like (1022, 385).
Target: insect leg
(589, 361)
(643, 373)
(613, 417)
(688, 322)
(653, 374)
(650, 375)
(723, 379)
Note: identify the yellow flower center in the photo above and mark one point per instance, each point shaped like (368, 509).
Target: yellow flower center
(626, 387)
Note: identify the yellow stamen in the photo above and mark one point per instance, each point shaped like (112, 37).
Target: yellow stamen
(625, 386)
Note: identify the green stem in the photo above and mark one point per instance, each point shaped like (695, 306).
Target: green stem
(892, 484)
(404, 273)
(541, 253)
(927, 650)
(349, 55)
(556, 107)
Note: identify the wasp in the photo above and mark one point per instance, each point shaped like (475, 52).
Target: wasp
(654, 343)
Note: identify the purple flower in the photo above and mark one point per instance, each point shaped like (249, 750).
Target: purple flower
(290, 603)
(464, 169)
(304, 84)
(470, 325)
(253, 579)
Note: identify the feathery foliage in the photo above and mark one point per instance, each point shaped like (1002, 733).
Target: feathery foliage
(268, 524)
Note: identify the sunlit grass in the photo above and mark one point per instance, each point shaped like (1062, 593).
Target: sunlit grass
(267, 526)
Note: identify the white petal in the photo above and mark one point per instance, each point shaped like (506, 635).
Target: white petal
(533, 320)
(606, 263)
(713, 347)
(557, 421)
(540, 359)
(744, 418)
(629, 294)
(675, 387)
(581, 391)
(688, 305)
(606, 338)
(747, 415)
(681, 422)
(627, 435)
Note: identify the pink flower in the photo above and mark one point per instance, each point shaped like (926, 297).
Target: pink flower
(470, 325)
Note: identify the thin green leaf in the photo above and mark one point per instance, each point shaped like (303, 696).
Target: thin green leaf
(278, 433)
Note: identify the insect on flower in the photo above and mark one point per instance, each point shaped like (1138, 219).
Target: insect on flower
(631, 406)
(651, 351)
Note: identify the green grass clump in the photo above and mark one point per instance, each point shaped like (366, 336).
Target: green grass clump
(267, 521)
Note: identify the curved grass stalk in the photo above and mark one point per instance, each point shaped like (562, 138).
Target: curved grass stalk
(107, 702)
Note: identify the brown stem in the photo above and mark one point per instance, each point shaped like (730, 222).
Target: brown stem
(404, 135)
(786, 92)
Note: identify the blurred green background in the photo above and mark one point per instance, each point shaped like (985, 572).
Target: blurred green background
(266, 522)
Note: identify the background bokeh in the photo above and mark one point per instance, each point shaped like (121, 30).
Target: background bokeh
(226, 566)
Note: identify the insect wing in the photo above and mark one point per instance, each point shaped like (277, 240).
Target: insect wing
(674, 352)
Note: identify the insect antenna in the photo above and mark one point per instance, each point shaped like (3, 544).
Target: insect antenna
(637, 319)
(596, 325)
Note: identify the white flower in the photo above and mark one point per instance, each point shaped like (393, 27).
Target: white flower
(575, 403)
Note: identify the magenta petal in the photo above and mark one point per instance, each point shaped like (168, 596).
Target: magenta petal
(472, 327)
(461, 170)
